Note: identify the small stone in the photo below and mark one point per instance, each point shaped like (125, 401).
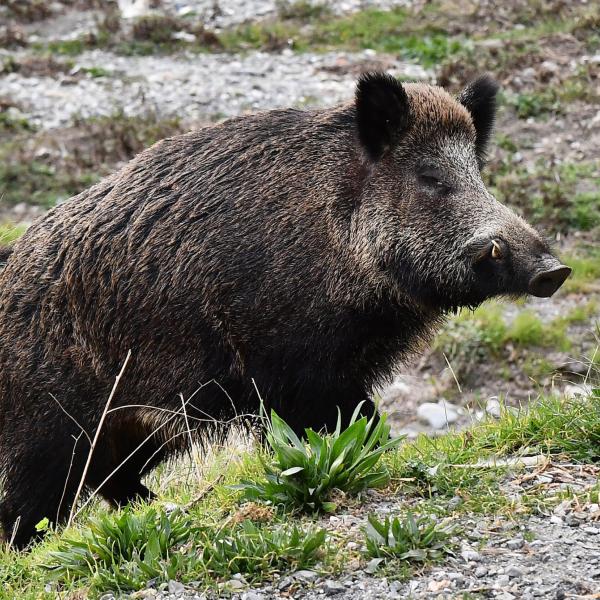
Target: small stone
(395, 587)
(503, 580)
(454, 502)
(285, 583)
(306, 576)
(331, 588)
(556, 520)
(437, 586)
(373, 565)
(481, 571)
(471, 555)
(438, 415)
(514, 572)
(107, 597)
(148, 594)
(591, 530)
(572, 521)
(251, 595)
(515, 543)
(176, 588)
(183, 36)
(171, 507)
(493, 407)
(560, 594)
(234, 585)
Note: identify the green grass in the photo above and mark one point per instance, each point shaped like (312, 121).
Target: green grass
(302, 9)
(561, 197)
(96, 72)
(213, 539)
(9, 233)
(306, 473)
(10, 123)
(411, 539)
(527, 329)
(103, 142)
(586, 270)
(536, 104)
(552, 426)
(392, 31)
(462, 466)
(37, 183)
(123, 551)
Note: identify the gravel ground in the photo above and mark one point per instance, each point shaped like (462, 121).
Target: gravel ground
(548, 557)
(195, 87)
(216, 14)
(219, 13)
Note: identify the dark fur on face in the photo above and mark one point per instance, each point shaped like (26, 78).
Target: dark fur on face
(301, 252)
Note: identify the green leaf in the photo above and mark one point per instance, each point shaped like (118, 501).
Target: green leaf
(291, 471)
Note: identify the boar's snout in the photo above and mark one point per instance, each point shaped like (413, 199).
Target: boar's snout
(548, 278)
(524, 266)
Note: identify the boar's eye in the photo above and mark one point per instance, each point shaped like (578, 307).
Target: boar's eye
(432, 178)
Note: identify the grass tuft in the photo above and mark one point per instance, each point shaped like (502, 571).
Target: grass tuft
(125, 551)
(412, 539)
(553, 425)
(9, 233)
(254, 550)
(305, 475)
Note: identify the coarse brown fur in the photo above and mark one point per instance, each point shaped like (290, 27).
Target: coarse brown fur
(298, 253)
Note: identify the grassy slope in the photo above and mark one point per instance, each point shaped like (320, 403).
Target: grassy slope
(429, 472)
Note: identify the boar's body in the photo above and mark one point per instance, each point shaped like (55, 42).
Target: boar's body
(220, 256)
(293, 254)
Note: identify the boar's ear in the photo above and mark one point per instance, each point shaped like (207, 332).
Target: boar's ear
(479, 98)
(382, 112)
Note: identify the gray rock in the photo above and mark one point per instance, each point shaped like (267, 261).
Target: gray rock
(471, 555)
(591, 530)
(493, 407)
(515, 543)
(438, 415)
(306, 576)
(252, 595)
(285, 583)
(331, 587)
(234, 585)
(454, 502)
(176, 588)
(514, 572)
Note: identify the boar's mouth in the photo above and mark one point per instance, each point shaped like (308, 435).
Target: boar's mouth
(447, 299)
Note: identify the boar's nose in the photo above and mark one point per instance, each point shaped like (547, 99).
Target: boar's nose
(545, 282)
